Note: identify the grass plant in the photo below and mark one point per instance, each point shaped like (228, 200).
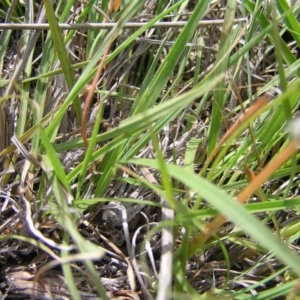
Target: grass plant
(140, 161)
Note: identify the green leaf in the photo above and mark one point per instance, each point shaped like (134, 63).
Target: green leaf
(231, 209)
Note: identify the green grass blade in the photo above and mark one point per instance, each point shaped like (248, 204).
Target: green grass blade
(62, 54)
(222, 59)
(237, 213)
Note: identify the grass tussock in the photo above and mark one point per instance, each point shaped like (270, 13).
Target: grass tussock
(149, 149)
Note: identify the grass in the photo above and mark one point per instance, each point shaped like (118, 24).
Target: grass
(150, 163)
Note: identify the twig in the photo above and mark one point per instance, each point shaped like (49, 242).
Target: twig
(45, 26)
